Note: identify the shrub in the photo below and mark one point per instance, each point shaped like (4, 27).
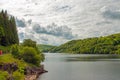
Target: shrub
(3, 75)
(18, 76)
(30, 55)
(5, 49)
(29, 43)
(15, 50)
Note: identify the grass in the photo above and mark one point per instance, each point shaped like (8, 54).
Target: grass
(18, 75)
(8, 58)
(3, 75)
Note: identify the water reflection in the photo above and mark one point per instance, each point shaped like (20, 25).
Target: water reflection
(81, 67)
(81, 57)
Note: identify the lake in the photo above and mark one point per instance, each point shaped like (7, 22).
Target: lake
(81, 67)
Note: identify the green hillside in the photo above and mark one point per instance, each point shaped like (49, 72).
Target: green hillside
(98, 45)
(45, 48)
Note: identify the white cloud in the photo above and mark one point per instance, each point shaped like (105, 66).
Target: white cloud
(87, 18)
(50, 34)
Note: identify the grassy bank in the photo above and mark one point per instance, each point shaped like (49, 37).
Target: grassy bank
(9, 59)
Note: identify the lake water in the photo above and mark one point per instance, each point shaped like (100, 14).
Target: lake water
(81, 67)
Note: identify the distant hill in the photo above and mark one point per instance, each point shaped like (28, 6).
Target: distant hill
(97, 45)
(45, 48)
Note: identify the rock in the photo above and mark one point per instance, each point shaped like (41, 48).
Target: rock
(34, 72)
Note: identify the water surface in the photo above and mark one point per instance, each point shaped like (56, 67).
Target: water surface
(81, 67)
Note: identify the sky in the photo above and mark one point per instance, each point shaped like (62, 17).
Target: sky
(55, 22)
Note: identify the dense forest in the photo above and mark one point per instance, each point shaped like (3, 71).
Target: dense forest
(8, 31)
(97, 45)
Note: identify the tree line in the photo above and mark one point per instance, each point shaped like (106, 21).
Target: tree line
(8, 30)
(97, 45)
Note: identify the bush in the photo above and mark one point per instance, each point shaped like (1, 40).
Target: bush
(3, 75)
(18, 76)
(29, 43)
(15, 50)
(30, 55)
(28, 51)
(5, 49)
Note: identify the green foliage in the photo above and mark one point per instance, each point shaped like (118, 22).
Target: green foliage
(29, 43)
(18, 76)
(15, 50)
(45, 48)
(2, 34)
(28, 52)
(4, 75)
(102, 45)
(8, 58)
(8, 30)
(21, 70)
(5, 49)
(30, 55)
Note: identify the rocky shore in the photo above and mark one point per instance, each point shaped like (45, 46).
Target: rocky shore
(31, 73)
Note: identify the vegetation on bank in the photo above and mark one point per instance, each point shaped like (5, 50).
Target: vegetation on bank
(45, 48)
(23, 55)
(3, 75)
(98, 45)
(7, 59)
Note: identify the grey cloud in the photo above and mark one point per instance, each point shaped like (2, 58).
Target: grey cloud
(62, 8)
(55, 30)
(39, 14)
(111, 14)
(20, 23)
(103, 23)
(30, 21)
(44, 38)
(21, 36)
(29, 15)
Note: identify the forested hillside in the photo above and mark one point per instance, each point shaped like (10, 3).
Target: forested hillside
(102, 45)
(8, 31)
(45, 48)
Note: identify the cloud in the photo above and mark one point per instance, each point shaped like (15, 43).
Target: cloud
(62, 8)
(103, 23)
(21, 36)
(49, 34)
(20, 23)
(30, 21)
(111, 13)
(86, 18)
(55, 30)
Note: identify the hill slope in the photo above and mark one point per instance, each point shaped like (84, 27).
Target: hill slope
(102, 45)
(45, 48)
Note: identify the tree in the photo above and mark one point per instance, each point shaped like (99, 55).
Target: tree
(2, 34)
(8, 25)
(30, 55)
(29, 43)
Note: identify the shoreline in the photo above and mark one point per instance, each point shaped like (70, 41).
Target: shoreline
(30, 73)
(34, 73)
